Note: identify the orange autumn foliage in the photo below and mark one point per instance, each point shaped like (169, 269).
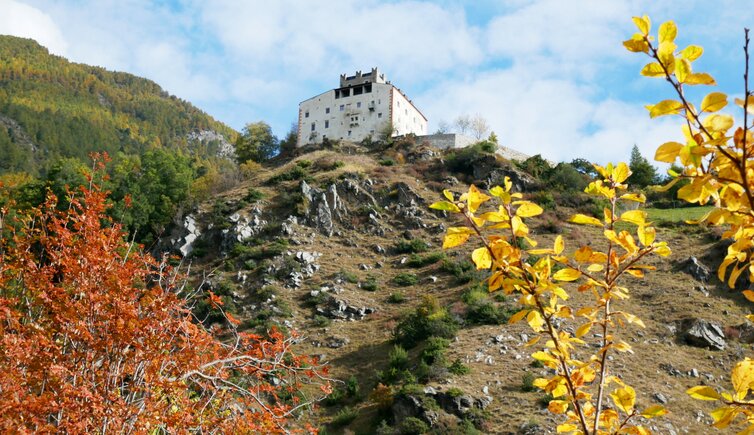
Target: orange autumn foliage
(95, 338)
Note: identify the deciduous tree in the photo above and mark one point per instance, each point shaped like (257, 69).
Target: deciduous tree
(95, 337)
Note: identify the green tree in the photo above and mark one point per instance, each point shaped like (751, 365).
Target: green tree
(256, 143)
(288, 144)
(643, 173)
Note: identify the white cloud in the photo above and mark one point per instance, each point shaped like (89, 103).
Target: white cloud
(25, 21)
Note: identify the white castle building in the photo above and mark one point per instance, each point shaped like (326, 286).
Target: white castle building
(363, 106)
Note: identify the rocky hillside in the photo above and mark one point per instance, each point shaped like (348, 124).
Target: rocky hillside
(52, 108)
(339, 245)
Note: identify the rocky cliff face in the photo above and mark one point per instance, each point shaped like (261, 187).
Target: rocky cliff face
(344, 249)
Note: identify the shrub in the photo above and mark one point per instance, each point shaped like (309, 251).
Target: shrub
(370, 284)
(253, 195)
(352, 386)
(335, 398)
(398, 358)
(396, 298)
(527, 382)
(416, 260)
(349, 276)
(459, 368)
(405, 279)
(429, 319)
(411, 246)
(413, 426)
(344, 417)
(434, 350)
(387, 162)
(321, 321)
(463, 271)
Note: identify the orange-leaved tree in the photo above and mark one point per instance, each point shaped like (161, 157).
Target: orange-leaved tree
(95, 338)
(541, 277)
(718, 161)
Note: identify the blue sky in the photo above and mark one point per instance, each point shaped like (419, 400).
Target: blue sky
(550, 76)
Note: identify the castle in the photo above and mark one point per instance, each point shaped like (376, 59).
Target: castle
(363, 106)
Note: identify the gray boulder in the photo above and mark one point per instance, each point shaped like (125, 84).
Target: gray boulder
(696, 269)
(702, 333)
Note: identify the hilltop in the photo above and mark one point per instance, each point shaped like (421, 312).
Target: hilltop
(339, 244)
(51, 108)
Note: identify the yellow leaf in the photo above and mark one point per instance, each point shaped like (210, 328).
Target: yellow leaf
(749, 104)
(533, 341)
(653, 69)
(637, 217)
(595, 268)
(643, 24)
(637, 197)
(692, 52)
(654, 411)
(636, 45)
(567, 427)
(748, 294)
(646, 235)
(558, 406)
(621, 172)
(723, 416)
(453, 240)
(624, 399)
(667, 32)
(717, 122)
(584, 219)
(583, 329)
(742, 377)
(665, 55)
(535, 320)
(445, 205)
(665, 107)
(567, 274)
(662, 249)
(527, 209)
(703, 392)
(482, 258)
(714, 101)
(448, 194)
(475, 198)
(668, 152)
(700, 79)
(517, 317)
(559, 245)
(682, 69)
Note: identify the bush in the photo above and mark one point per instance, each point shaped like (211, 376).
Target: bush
(527, 382)
(349, 276)
(398, 358)
(396, 298)
(416, 260)
(428, 320)
(387, 162)
(335, 398)
(434, 351)
(411, 246)
(405, 279)
(253, 195)
(344, 417)
(370, 284)
(459, 368)
(321, 321)
(413, 426)
(463, 271)
(352, 386)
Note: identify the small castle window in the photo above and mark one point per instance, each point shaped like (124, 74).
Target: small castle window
(358, 104)
(327, 124)
(349, 133)
(327, 110)
(314, 125)
(306, 114)
(379, 115)
(342, 107)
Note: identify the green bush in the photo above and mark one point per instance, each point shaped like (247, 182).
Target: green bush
(405, 279)
(398, 358)
(321, 321)
(527, 382)
(344, 417)
(335, 398)
(387, 162)
(463, 271)
(459, 368)
(396, 298)
(370, 284)
(253, 195)
(411, 246)
(416, 260)
(349, 276)
(434, 350)
(428, 320)
(413, 426)
(352, 386)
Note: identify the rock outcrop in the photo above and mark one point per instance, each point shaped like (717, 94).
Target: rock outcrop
(702, 333)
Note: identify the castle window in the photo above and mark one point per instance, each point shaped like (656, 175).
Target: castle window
(342, 107)
(306, 115)
(327, 110)
(358, 104)
(367, 88)
(358, 90)
(379, 115)
(313, 126)
(349, 133)
(327, 124)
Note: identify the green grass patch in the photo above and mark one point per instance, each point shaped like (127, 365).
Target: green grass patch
(677, 215)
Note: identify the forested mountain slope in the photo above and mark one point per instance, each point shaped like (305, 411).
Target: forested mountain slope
(52, 108)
